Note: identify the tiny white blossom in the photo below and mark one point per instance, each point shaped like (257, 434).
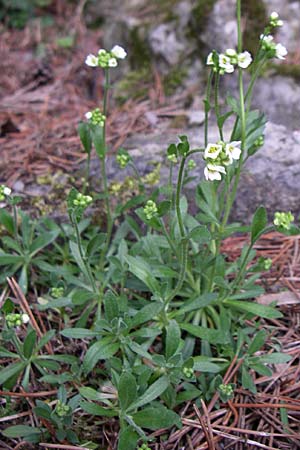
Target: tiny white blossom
(279, 23)
(232, 150)
(212, 151)
(225, 63)
(212, 172)
(119, 52)
(281, 51)
(267, 39)
(101, 51)
(244, 60)
(6, 191)
(91, 60)
(274, 15)
(25, 318)
(112, 62)
(88, 115)
(230, 52)
(209, 60)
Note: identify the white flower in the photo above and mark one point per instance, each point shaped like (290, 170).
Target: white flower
(267, 39)
(232, 150)
(101, 51)
(281, 51)
(91, 60)
(6, 190)
(209, 60)
(25, 318)
(212, 151)
(112, 62)
(119, 52)
(274, 15)
(88, 115)
(225, 63)
(244, 60)
(279, 23)
(230, 52)
(212, 172)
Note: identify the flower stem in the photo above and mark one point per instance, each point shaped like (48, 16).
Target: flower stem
(207, 106)
(217, 107)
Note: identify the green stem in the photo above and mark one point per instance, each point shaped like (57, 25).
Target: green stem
(207, 107)
(177, 199)
(217, 107)
(15, 213)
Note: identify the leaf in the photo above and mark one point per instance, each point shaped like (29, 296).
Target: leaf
(111, 306)
(204, 364)
(127, 390)
(97, 410)
(207, 334)
(42, 241)
(78, 258)
(268, 312)
(172, 338)
(18, 431)
(247, 381)
(142, 270)
(90, 393)
(78, 333)
(97, 138)
(29, 344)
(11, 370)
(154, 391)
(222, 119)
(200, 234)
(197, 303)
(103, 349)
(10, 259)
(258, 342)
(146, 313)
(45, 339)
(155, 418)
(85, 136)
(128, 439)
(272, 358)
(259, 222)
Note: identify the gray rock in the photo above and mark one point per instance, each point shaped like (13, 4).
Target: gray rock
(165, 43)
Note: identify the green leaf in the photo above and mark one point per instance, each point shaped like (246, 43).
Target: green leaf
(18, 431)
(42, 241)
(29, 344)
(156, 417)
(128, 439)
(127, 390)
(97, 138)
(272, 358)
(207, 334)
(197, 303)
(142, 270)
(222, 119)
(200, 234)
(261, 369)
(147, 313)
(90, 393)
(10, 259)
(268, 312)
(258, 342)
(11, 370)
(97, 410)
(78, 258)
(78, 333)
(85, 136)
(103, 349)
(45, 339)
(154, 391)
(259, 222)
(172, 338)
(204, 364)
(247, 381)
(111, 306)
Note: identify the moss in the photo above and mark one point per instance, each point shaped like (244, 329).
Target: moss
(198, 21)
(256, 16)
(174, 79)
(140, 53)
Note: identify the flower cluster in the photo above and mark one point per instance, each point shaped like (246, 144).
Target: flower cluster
(271, 48)
(191, 165)
(225, 62)
(188, 372)
(62, 409)
(218, 156)
(82, 200)
(57, 292)
(96, 117)
(122, 158)
(275, 21)
(106, 58)
(226, 391)
(4, 192)
(150, 209)
(172, 158)
(15, 320)
(144, 447)
(283, 220)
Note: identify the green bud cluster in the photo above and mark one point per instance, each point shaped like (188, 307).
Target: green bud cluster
(267, 263)
(153, 177)
(122, 159)
(62, 409)
(57, 292)
(16, 320)
(96, 117)
(106, 59)
(82, 200)
(283, 220)
(172, 158)
(4, 192)
(275, 21)
(188, 372)
(150, 209)
(144, 447)
(259, 142)
(191, 165)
